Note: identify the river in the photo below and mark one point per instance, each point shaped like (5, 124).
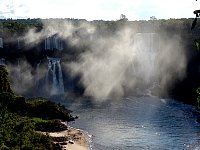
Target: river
(139, 123)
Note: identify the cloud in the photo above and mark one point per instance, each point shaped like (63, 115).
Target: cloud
(99, 9)
(13, 9)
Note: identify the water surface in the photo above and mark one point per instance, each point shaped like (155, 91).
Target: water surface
(138, 123)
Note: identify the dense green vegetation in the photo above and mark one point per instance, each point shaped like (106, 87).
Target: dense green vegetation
(18, 133)
(197, 44)
(19, 118)
(49, 126)
(4, 83)
(19, 26)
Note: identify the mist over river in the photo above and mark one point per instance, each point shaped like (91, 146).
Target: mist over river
(138, 123)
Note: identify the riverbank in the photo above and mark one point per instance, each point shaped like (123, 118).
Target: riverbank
(70, 139)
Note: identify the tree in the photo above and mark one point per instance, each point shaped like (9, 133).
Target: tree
(4, 83)
(153, 18)
(197, 44)
(123, 17)
(194, 23)
(197, 13)
(198, 98)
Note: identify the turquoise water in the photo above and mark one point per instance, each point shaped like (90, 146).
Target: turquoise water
(138, 123)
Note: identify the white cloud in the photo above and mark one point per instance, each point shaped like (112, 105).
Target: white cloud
(98, 9)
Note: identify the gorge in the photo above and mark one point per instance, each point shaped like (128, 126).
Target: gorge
(122, 78)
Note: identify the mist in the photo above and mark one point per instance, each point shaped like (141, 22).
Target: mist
(114, 65)
(21, 75)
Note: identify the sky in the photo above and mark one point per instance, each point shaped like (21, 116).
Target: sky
(98, 9)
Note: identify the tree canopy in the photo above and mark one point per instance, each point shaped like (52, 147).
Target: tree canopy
(20, 118)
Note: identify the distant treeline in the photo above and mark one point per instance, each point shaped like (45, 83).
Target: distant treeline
(12, 30)
(10, 27)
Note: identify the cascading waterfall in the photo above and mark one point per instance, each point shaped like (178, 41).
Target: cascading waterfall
(1, 42)
(53, 42)
(60, 77)
(18, 62)
(55, 83)
(47, 43)
(145, 66)
(38, 66)
(2, 61)
(54, 78)
(47, 84)
(18, 44)
(37, 76)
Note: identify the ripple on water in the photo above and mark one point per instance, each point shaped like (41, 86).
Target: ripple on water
(140, 123)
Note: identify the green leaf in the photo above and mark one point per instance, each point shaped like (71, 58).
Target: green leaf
(197, 44)
(198, 90)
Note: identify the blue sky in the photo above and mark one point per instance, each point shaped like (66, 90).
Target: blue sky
(98, 9)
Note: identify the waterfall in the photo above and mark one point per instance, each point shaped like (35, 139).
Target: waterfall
(18, 44)
(53, 42)
(18, 62)
(54, 78)
(37, 76)
(145, 66)
(148, 42)
(55, 87)
(1, 42)
(38, 66)
(47, 83)
(146, 50)
(47, 43)
(60, 44)
(2, 61)
(60, 77)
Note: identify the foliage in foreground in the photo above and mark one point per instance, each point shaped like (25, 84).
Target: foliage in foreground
(17, 133)
(45, 109)
(198, 98)
(197, 44)
(17, 125)
(4, 82)
(50, 126)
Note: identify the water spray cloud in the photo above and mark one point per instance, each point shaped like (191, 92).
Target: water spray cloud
(113, 64)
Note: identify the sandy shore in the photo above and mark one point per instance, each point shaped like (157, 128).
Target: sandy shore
(70, 139)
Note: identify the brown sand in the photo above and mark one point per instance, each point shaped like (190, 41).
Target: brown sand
(72, 135)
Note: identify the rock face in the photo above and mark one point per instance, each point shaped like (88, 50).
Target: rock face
(4, 82)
